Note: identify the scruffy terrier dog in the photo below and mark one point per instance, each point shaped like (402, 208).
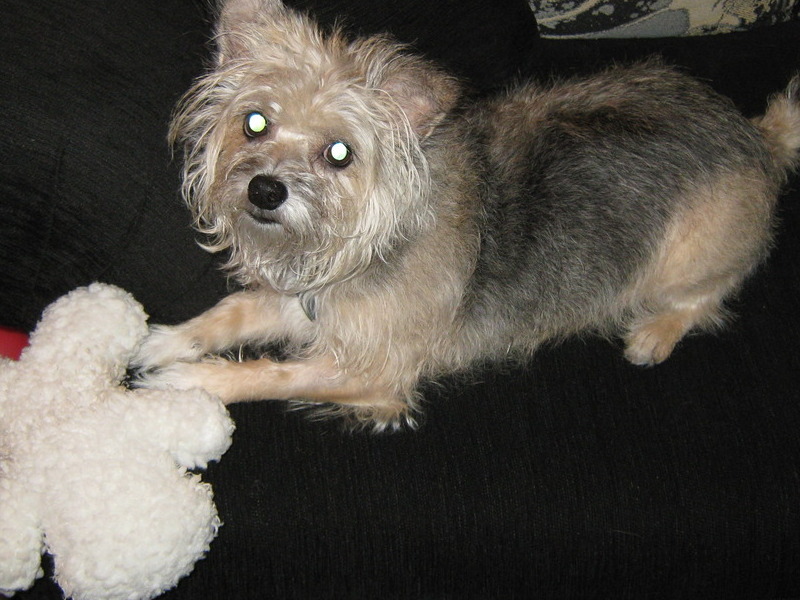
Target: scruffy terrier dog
(387, 229)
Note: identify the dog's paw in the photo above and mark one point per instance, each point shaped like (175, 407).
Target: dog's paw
(165, 345)
(652, 342)
(175, 376)
(209, 375)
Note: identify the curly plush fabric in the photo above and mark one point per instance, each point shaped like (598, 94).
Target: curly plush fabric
(94, 474)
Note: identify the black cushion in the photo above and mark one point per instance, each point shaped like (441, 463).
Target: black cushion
(87, 186)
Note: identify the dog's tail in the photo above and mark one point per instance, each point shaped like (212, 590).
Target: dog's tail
(780, 126)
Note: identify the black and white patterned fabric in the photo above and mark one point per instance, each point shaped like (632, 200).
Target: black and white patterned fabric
(657, 18)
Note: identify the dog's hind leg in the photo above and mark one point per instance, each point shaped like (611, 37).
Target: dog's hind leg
(709, 249)
(652, 338)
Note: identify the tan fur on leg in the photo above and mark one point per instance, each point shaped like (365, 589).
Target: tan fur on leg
(706, 254)
(237, 319)
(314, 380)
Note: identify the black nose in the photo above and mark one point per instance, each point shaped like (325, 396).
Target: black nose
(266, 192)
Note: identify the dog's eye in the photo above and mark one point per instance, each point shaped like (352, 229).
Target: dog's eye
(338, 154)
(255, 125)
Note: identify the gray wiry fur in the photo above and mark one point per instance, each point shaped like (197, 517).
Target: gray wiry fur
(582, 184)
(631, 202)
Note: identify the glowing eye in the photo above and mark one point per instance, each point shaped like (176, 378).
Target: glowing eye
(255, 125)
(338, 154)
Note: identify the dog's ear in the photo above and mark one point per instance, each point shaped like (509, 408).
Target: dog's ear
(236, 19)
(424, 93)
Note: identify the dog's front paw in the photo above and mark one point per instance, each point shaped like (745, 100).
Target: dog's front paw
(175, 376)
(166, 345)
(208, 375)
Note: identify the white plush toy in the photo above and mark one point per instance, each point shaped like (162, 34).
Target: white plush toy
(96, 474)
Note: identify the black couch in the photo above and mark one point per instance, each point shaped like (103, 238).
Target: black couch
(575, 476)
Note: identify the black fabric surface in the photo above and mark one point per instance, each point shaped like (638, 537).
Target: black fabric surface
(87, 186)
(577, 476)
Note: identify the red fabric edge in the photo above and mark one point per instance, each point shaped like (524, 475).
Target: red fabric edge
(12, 342)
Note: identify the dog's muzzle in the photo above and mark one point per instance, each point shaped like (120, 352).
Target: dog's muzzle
(266, 193)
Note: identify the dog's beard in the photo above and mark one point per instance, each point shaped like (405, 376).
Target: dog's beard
(311, 242)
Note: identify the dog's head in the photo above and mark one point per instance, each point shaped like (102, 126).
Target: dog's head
(304, 151)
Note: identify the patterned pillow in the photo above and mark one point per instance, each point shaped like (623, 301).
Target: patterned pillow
(657, 18)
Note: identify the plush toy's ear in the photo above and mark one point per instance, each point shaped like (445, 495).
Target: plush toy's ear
(92, 330)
